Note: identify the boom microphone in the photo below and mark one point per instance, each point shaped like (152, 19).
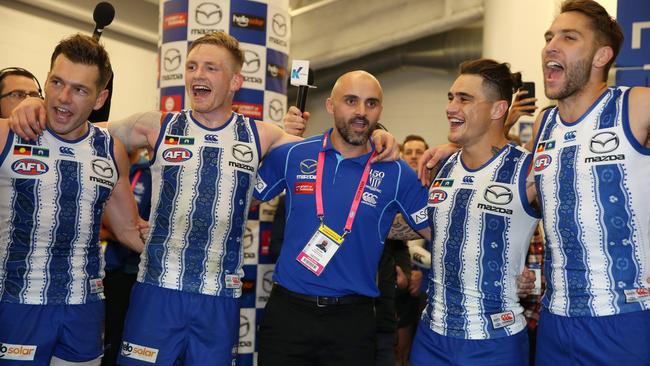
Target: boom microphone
(303, 90)
(103, 16)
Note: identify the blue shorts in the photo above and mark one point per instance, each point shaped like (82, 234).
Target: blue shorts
(622, 339)
(431, 348)
(164, 325)
(35, 333)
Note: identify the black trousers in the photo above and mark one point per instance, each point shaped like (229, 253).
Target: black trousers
(296, 332)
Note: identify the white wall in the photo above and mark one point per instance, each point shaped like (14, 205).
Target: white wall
(414, 103)
(29, 35)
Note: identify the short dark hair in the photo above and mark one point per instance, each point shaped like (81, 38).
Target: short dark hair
(224, 40)
(85, 50)
(17, 71)
(608, 31)
(497, 78)
(415, 138)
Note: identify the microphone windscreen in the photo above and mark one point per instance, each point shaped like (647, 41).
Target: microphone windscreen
(103, 14)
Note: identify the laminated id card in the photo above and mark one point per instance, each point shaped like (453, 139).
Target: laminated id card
(320, 249)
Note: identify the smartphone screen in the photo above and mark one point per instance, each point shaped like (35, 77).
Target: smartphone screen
(530, 87)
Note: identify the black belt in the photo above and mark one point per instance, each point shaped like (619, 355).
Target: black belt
(322, 301)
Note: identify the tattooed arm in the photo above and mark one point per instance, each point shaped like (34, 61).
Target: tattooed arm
(402, 231)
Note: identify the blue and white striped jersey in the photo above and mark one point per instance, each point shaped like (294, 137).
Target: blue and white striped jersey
(202, 181)
(592, 179)
(53, 194)
(481, 223)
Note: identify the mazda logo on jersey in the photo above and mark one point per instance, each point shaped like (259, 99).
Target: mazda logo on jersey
(308, 166)
(267, 281)
(208, 14)
(279, 25)
(603, 142)
(29, 167)
(276, 110)
(177, 155)
(498, 195)
(252, 62)
(172, 60)
(244, 326)
(102, 168)
(242, 153)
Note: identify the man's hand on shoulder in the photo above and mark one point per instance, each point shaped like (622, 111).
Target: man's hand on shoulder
(28, 120)
(386, 146)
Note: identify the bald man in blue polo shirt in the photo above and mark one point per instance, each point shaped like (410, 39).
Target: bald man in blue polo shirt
(340, 207)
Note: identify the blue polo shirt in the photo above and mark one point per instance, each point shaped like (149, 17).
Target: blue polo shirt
(392, 187)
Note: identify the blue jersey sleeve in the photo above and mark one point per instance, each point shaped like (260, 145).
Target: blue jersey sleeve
(412, 197)
(271, 179)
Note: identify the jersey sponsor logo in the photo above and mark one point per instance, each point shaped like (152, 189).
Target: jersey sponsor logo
(242, 20)
(420, 216)
(177, 155)
(437, 196)
(29, 167)
(260, 185)
(570, 136)
(546, 146)
(504, 319)
(304, 187)
(497, 209)
(17, 352)
(498, 194)
(211, 138)
(138, 352)
(242, 153)
(208, 14)
(604, 142)
(598, 159)
(374, 179)
(468, 179)
(443, 183)
(542, 162)
(102, 168)
(369, 199)
(67, 151)
(308, 166)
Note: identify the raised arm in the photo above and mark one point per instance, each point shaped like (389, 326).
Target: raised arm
(138, 130)
(121, 208)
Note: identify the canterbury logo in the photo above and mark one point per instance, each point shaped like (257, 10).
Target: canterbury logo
(251, 62)
(66, 151)
(308, 166)
(102, 168)
(172, 59)
(242, 153)
(603, 142)
(498, 195)
(279, 25)
(208, 14)
(211, 138)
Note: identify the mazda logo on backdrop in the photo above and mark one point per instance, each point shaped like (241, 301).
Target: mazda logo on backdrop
(208, 14)
(172, 59)
(252, 62)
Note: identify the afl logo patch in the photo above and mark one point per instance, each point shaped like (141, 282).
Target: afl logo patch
(29, 167)
(177, 155)
(542, 162)
(437, 196)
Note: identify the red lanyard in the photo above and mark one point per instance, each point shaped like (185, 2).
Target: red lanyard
(134, 181)
(357, 196)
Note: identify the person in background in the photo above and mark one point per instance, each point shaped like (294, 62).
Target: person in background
(16, 84)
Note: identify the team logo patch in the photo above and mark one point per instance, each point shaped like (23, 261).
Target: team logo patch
(542, 162)
(29, 167)
(177, 155)
(102, 168)
(369, 199)
(304, 187)
(603, 142)
(437, 196)
(374, 180)
(498, 195)
(138, 352)
(546, 146)
(443, 183)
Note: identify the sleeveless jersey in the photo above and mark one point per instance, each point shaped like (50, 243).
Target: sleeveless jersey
(202, 181)
(53, 194)
(592, 179)
(481, 224)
